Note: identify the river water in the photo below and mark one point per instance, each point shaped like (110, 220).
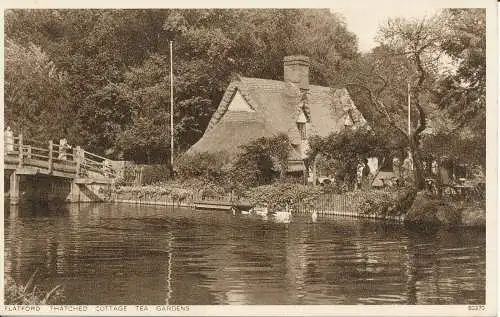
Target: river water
(123, 254)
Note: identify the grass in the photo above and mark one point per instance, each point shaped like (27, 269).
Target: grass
(30, 293)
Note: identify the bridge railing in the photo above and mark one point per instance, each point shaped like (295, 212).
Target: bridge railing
(94, 162)
(72, 160)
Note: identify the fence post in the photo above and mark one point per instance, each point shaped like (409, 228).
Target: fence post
(140, 177)
(21, 149)
(77, 157)
(50, 156)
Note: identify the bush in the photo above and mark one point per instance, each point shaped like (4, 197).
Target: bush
(204, 166)
(260, 162)
(128, 177)
(278, 195)
(471, 149)
(386, 202)
(429, 213)
(154, 174)
(474, 215)
(151, 174)
(339, 153)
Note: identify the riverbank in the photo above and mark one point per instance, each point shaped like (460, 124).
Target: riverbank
(427, 212)
(181, 194)
(388, 204)
(394, 204)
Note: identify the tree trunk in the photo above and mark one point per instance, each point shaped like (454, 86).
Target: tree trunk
(418, 170)
(415, 139)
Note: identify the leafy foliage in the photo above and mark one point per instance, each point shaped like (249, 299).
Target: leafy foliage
(470, 150)
(344, 150)
(279, 195)
(116, 65)
(383, 203)
(209, 167)
(462, 91)
(260, 162)
(154, 174)
(415, 52)
(35, 97)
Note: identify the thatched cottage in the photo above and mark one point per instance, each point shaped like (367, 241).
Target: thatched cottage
(254, 107)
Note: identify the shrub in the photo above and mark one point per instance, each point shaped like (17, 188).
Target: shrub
(339, 153)
(153, 174)
(278, 195)
(474, 215)
(128, 177)
(148, 174)
(205, 166)
(260, 162)
(386, 202)
(428, 213)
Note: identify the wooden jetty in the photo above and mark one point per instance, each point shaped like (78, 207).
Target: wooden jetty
(221, 205)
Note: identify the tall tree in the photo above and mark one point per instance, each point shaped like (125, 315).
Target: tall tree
(407, 56)
(116, 62)
(35, 93)
(462, 90)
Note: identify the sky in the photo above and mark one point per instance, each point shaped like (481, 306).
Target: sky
(364, 20)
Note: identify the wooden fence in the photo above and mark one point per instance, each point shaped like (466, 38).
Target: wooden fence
(326, 204)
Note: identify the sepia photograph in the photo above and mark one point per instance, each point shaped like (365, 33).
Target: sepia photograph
(248, 156)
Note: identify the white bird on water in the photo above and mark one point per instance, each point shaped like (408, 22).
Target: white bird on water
(283, 216)
(261, 211)
(314, 216)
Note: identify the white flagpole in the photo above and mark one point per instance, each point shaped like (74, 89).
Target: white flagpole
(171, 109)
(410, 154)
(409, 112)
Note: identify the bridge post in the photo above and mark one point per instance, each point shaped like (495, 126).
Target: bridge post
(75, 192)
(14, 188)
(51, 152)
(21, 150)
(78, 158)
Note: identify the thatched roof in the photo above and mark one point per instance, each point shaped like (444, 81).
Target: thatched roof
(277, 106)
(233, 130)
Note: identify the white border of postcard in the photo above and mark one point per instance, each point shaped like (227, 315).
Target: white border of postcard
(490, 309)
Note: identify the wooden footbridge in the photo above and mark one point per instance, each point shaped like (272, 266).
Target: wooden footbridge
(47, 164)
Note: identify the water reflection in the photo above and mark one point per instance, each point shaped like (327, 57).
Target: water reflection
(119, 254)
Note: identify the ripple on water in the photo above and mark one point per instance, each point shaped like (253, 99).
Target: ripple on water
(119, 254)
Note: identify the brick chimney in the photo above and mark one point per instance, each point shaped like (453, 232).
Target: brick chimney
(296, 70)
